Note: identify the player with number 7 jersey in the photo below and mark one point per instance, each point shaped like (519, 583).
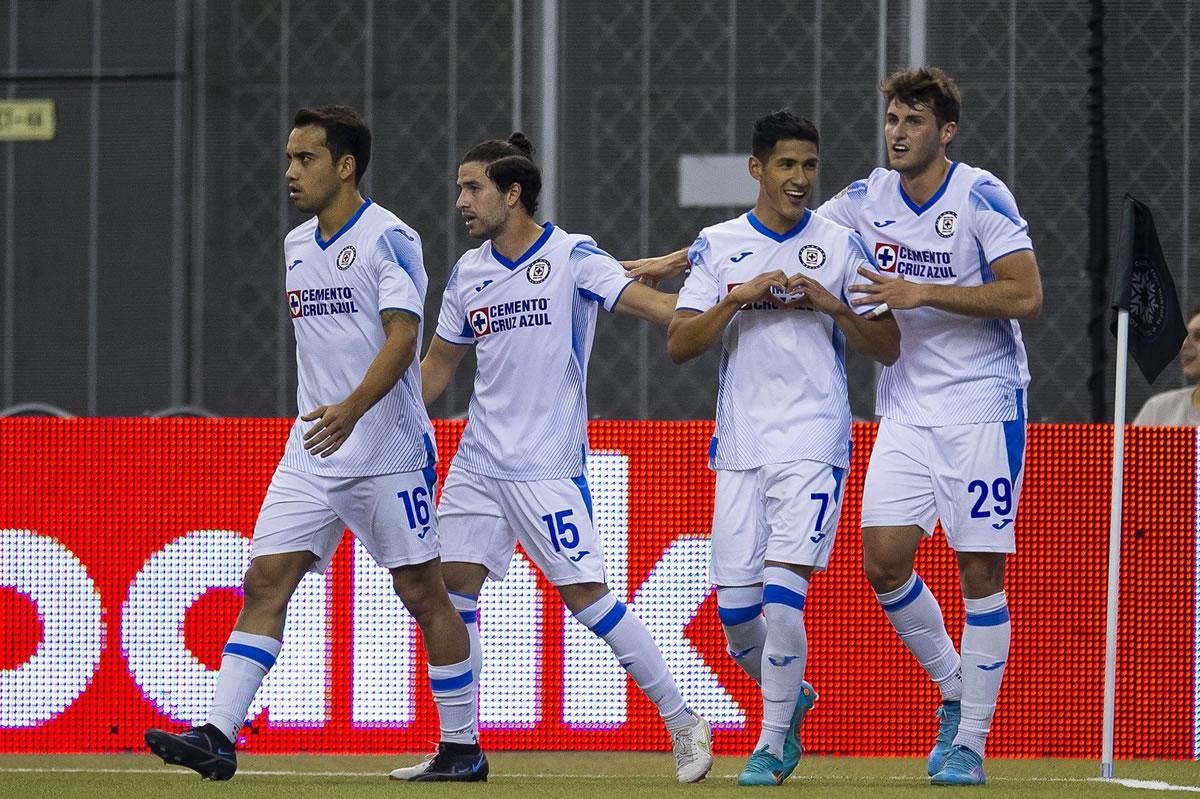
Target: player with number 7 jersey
(527, 301)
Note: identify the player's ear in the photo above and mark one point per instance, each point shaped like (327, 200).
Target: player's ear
(346, 166)
(948, 131)
(756, 168)
(512, 197)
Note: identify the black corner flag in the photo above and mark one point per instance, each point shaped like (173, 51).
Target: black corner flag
(1144, 287)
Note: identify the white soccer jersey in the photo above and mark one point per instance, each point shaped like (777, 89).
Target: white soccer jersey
(782, 394)
(336, 290)
(953, 369)
(531, 321)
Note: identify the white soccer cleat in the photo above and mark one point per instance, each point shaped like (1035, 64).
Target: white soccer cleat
(412, 772)
(692, 747)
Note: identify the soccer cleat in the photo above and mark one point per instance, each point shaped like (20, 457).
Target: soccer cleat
(763, 768)
(202, 749)
(791, 742)
(949, 714)
(963, 767)
(692, 747)
(450, 763)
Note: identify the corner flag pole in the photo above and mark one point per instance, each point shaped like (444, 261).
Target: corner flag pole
(1114, 544)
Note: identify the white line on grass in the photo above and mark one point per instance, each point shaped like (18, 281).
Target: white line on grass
(1150, 785)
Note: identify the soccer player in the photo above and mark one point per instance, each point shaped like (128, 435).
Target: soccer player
(957, 270)
(527, 300)
(361, 455)
(772, 285)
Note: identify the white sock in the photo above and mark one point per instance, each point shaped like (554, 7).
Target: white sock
(985, 643)
(467, 606)
(455, 692)
(785, 653)
(917, 619)
(740, 610)
(636, 651)
(244, 663)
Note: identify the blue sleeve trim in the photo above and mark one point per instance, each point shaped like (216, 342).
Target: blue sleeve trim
(612, 308)
(408, 311)
(687, 308)
(732, 617)
(1010, 252)
(452, 341)
(469, 616)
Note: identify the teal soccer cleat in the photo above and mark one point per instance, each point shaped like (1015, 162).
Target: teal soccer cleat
(949, 714)
(791, 743)
(963, 767)
(763, 768)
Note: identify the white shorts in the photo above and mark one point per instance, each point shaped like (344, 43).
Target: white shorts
(391, 514)
(481, 519)
(784, 512)
(969, 476)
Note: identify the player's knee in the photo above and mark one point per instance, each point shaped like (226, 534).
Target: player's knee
(266, 586)
(981, 573)
(420, 589)
(885, 575)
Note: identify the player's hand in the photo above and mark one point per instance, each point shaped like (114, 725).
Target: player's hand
(334, 424)
(651, 271)
(769, 285)
(898, 293)
(813, 296)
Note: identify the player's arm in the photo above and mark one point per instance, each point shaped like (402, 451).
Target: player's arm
(1016, 293)
(334, 423)
(438, 367)
(646, 303)
(878, 338)
(652, 270)
(691, 333)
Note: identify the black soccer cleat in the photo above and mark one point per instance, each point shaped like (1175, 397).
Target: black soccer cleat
(202, 749)
(451, 763)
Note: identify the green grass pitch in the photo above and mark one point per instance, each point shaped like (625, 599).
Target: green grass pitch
(577, 775)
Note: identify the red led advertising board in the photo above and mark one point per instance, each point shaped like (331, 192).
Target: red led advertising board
(123, 541)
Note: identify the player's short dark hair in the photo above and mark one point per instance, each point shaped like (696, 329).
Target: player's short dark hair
(779, 126)
(1193, 312)
(486, 152)
(506, 171)
(926, 87)
(346, 133)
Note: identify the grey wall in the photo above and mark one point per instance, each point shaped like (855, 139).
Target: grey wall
(141, 248)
